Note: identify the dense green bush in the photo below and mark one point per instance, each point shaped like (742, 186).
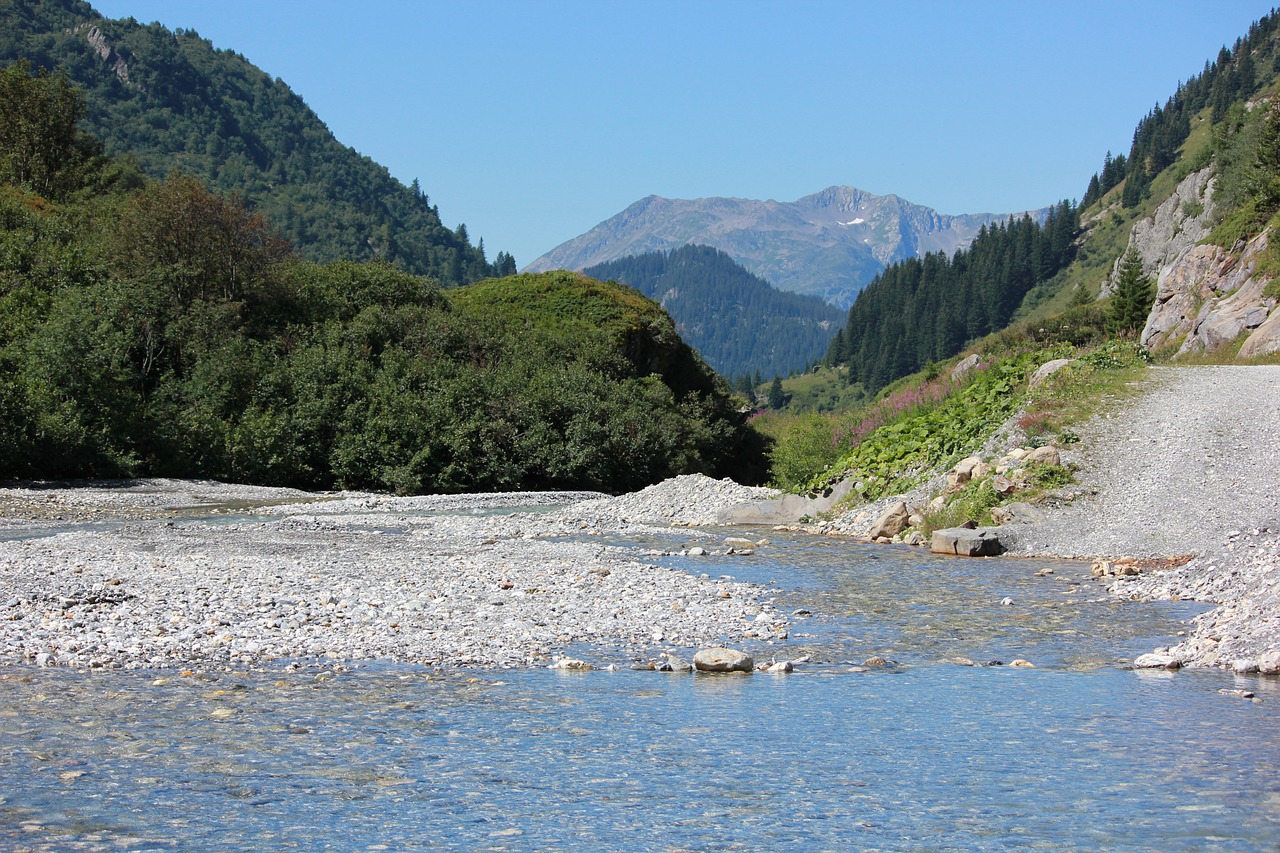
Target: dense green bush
(163, 329)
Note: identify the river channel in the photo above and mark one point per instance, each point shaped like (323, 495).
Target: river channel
(1078, 753)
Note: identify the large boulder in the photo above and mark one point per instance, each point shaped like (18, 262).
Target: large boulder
(964, 367)
(1046, 370)
(723, 660)
(978, 542)
(892, 522)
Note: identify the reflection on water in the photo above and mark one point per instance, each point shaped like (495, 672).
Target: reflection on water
(1076, 754)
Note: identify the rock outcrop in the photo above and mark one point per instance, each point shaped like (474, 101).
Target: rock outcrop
(1206, 297)
(98, 41)
(1179, 224)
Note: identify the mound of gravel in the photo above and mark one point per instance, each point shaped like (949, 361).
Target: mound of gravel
(688, 500)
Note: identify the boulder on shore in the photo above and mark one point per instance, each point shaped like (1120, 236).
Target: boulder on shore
(892, 522)
(978, 542)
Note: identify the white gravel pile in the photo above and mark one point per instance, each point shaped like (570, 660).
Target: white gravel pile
(690, 499)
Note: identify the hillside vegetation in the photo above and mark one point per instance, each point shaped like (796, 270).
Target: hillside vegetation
(740, 323)
(172, 102)
(158, 328)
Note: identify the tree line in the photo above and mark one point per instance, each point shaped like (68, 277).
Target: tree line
(928, 309)
(1238, 73)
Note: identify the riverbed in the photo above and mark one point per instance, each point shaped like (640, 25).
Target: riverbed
(884, 738)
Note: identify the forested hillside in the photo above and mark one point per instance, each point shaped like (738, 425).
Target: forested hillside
(739, 323)
(157, 328)
(173, 102)
(1237, 74)
(922, 310)
(927, 309)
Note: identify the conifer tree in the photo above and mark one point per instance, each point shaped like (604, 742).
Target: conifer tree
(1131, 301)
(777, 397)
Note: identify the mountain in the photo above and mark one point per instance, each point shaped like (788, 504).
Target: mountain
(737, 321)
(171, 101)
(1195, 200)
(830, 244)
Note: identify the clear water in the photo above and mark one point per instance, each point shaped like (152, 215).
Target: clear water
(1077, 754)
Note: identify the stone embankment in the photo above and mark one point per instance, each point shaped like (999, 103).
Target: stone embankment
(434, 580)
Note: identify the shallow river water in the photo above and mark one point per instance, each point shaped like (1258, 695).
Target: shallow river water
(1078, 753)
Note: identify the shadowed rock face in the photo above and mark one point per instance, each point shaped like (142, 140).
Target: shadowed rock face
(829, 244)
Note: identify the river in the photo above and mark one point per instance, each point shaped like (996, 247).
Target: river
(1077, 753)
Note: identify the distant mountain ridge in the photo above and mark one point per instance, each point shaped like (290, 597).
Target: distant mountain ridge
(829, 244)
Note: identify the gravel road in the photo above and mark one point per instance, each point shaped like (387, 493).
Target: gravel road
(1192, 466)
(1195, 456)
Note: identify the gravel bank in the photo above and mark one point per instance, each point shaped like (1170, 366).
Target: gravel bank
(348, 578)
(1191, 467)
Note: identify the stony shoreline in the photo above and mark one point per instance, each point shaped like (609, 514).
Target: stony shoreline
(161, 573)
(149, 576)
(1187, 475)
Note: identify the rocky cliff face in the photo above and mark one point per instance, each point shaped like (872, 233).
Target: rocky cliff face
(1206, 297)
(830, 244)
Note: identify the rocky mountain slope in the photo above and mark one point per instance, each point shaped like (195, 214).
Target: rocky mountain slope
(829, 244)
(1207, 298)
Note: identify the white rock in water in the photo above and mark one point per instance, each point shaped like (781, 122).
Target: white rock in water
(571, 664)
(1155, 660)
(723, 660)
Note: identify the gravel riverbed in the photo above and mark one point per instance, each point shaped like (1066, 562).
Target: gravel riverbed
(163, 574)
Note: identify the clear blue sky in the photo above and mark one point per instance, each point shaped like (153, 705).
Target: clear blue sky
(533, 121)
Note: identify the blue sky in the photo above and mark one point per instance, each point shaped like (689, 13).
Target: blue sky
(533, 121)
